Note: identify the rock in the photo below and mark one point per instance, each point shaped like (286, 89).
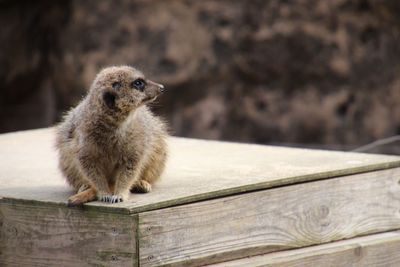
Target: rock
(257, 71)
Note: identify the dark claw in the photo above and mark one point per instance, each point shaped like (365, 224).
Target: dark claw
(111, 199)
(105, 199)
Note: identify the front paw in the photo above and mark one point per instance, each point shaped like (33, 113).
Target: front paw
(111, 198)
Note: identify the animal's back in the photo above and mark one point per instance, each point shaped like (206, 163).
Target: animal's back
(67, 144)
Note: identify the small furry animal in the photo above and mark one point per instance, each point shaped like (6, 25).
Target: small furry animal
(111, 143)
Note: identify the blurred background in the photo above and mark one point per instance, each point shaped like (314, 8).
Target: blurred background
(320, 74)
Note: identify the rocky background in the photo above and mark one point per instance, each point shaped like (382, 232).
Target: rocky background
(315, 73)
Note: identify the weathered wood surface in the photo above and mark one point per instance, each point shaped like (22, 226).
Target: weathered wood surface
(271, 220)
(196, 170)
(32, 235)
(379, 250)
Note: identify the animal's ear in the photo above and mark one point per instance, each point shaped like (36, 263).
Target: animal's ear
(109, 99)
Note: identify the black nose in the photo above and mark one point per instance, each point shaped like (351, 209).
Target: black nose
(162, 88)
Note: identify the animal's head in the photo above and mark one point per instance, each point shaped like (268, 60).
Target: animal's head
(124, 88)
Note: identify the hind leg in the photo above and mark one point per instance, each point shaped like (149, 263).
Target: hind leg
(141, 186)
(76, 179)
(73, 175)
(85, 192)
(83, 187)
(69, 166)
(82, 197)
(152, 170)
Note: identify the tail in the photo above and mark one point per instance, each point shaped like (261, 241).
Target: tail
(82, 197)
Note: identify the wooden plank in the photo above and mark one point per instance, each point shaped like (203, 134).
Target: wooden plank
(271, 220)
(32, 235)
(379, 250)
(196, 170)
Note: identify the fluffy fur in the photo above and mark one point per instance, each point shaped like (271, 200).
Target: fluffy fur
(111, 142)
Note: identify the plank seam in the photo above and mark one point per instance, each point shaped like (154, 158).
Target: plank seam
(241, 192)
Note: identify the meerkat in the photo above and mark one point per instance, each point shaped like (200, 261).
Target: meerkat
(111, 143)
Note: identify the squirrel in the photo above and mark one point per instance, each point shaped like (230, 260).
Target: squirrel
(111, 143)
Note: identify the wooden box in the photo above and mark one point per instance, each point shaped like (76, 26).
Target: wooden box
(219, 203)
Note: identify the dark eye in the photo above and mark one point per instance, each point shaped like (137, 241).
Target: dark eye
(116, 85)
(139, 84)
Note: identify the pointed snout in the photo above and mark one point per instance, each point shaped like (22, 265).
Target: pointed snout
(160, 86)
(162, 89)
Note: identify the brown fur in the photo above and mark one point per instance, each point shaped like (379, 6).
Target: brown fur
(111, 142)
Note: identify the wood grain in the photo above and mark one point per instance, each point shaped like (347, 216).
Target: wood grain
(379, 250)
(196, 170)
(32, 235)
(271, 220)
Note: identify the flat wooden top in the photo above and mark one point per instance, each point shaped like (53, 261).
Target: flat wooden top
(196, 170)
